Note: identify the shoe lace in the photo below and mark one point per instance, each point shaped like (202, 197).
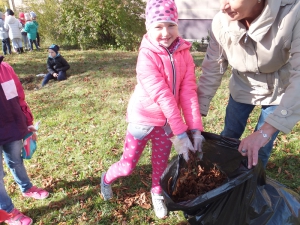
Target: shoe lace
(107, 188)
(158, 202)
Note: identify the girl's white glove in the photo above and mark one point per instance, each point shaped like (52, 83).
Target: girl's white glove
(198, 140)
(182, 146)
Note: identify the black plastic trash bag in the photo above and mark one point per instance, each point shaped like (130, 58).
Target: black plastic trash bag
(247, 197)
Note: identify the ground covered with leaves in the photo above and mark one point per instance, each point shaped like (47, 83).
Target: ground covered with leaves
(82, 133)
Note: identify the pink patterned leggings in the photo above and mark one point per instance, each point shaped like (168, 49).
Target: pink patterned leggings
(133, 148)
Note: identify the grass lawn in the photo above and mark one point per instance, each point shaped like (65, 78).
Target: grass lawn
(81, 134)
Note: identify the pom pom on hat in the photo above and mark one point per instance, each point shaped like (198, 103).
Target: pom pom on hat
(27, 16)
(161, 11)
(54, 48)
(32, 14)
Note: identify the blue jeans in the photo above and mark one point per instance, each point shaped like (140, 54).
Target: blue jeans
(26, 41)
(13, 159)
(6, 46)
(236, 118)
(61, 76)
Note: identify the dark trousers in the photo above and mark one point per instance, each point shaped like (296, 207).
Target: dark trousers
(6, 46)
(38, 39)
(61, 76)
(31, 44)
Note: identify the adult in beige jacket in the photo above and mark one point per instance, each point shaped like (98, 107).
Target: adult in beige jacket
(260, 39)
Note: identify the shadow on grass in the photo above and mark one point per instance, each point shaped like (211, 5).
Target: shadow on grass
(87, 192)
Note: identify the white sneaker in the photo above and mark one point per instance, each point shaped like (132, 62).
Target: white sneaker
(106, 190)
(159, 205)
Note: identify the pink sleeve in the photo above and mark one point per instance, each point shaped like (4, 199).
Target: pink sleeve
(188, 95)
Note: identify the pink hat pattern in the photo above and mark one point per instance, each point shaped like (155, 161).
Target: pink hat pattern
(161, 11)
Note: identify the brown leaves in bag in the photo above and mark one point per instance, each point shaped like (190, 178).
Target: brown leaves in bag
(194, 180)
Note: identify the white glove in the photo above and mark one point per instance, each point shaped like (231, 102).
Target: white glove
(197, 139)
(182, 146)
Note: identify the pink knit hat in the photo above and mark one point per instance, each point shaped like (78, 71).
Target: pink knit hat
(161, 11)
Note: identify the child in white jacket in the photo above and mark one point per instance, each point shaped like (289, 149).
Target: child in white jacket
(14, 26)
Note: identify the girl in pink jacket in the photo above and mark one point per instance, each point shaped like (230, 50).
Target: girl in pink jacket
(166, 91)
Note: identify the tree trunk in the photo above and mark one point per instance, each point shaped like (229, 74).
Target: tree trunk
(12, 5)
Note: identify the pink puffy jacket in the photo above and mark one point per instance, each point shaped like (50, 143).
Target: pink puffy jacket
(166, 88)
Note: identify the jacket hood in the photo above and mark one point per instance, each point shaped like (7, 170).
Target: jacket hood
(260, 26)
(154, 47)
(57, 56)
(10, 19)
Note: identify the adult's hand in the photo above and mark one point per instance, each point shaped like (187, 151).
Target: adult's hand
(55, 74)
(250, 145)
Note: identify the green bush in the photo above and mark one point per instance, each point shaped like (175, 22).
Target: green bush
(92, 24)
(195, 46)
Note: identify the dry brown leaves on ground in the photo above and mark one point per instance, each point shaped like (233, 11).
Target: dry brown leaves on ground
(194, 180)
(141, 198)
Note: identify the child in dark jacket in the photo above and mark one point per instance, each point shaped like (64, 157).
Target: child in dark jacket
(16, 122)
(56, 65)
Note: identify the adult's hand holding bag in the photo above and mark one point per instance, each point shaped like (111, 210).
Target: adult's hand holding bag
(29, 143)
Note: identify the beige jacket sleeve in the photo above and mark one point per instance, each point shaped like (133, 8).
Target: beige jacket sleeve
(214, 66)
(287, 114)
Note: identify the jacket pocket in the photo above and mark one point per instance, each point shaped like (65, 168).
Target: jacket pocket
(260, 83)
(9, 89)
(284, 77)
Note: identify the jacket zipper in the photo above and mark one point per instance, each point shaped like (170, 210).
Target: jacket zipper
(173, 70)
(246, 38)
(174, 73)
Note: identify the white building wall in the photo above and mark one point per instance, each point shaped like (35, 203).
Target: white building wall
(197, 9)
(195, 17)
